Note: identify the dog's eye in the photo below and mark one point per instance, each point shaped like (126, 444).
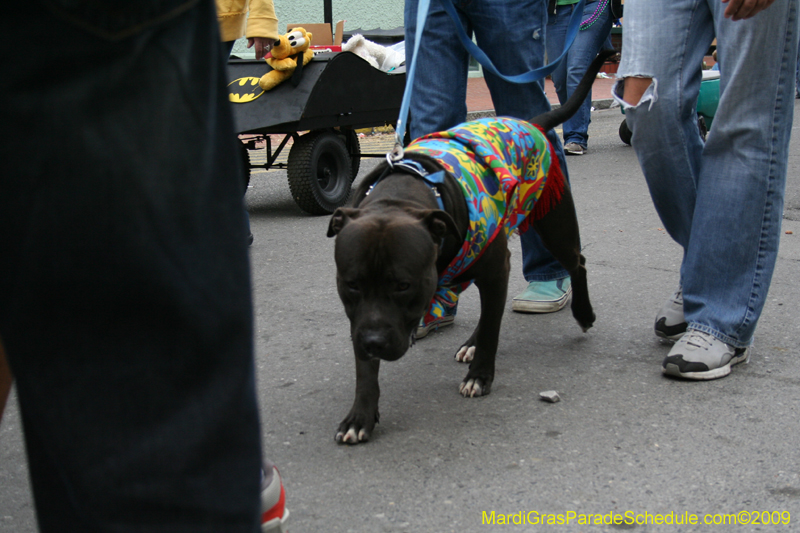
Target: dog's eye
(352, 285)
(401, 287)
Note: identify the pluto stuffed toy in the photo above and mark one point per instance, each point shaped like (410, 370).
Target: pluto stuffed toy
(287, 57)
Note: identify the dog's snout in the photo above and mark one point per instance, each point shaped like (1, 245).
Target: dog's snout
(374, 342)
(379, 342)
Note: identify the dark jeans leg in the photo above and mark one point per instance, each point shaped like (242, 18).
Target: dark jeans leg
(126, 313)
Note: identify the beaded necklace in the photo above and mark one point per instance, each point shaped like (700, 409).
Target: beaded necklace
(601, 5)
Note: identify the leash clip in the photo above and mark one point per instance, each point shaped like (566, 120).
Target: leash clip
(396, 154)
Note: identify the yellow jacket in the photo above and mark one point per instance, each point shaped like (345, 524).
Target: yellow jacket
(233, 19)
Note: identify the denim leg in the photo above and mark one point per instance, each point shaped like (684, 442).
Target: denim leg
(743, 165)
(439, 97)
(667, 41)
(496, 24)
(439, 94)
(523, 23)
(126, 313)
(583, 50)
(729, 252)
(556, 36)
(797, 78)
(538, 264)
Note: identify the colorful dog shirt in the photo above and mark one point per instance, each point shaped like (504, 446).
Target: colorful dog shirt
(509, 178)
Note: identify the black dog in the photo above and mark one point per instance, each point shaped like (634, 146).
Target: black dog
(396, 240)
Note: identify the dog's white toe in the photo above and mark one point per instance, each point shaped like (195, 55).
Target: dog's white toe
(470, 388)
(351, 437)
(465, 354)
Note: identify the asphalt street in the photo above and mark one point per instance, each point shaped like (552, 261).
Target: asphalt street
(624, 442)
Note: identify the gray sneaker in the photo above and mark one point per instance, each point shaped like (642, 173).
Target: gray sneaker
(423, 329)
(701, 356)
(574, 149)
(670, 322)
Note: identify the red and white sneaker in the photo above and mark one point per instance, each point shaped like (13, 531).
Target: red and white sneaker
(274, 513)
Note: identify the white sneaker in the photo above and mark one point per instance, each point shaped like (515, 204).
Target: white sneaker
(274, 513)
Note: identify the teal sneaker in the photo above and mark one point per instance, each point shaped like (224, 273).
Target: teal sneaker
(543, 296)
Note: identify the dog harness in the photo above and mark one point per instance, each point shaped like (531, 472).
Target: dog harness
(509, 177)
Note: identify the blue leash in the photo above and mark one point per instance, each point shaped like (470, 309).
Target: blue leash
(478, 54)
(422, 14)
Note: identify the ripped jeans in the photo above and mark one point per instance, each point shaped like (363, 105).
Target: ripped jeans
(722, 201)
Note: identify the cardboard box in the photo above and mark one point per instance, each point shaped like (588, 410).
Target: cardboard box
(321, 34)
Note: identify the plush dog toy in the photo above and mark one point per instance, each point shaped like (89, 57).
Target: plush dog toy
(287, 57)
(380, 57)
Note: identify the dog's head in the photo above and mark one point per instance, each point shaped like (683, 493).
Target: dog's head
(295, 42)
(386, 273)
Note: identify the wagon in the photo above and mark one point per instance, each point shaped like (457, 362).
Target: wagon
(338, 93)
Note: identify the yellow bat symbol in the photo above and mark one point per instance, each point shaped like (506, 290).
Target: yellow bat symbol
(244, 90)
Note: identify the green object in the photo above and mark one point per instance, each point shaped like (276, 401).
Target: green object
(543, 296)
(708, 100)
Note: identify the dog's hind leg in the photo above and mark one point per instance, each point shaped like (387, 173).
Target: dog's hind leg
(559, 232)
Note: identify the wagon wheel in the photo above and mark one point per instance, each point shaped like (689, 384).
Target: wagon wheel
(245, 165)
(625, 133)
(320, 172)
(354, 148)
(701, 125)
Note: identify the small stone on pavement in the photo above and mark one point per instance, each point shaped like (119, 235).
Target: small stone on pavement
(550, 396)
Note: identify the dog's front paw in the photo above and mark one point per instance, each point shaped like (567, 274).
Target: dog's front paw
(352, 436)
(355, 429)
(465, 354)
(473, 387)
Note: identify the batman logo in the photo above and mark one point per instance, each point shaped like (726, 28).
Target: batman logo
(244, 90)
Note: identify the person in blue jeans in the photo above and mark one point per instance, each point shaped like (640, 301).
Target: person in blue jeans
(255, 20)
(126, 313)
(512, 34)
(594, 32)
(722, 201)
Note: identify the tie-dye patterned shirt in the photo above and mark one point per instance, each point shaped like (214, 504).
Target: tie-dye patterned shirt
(509, 178)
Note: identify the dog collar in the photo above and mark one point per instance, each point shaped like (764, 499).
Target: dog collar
(414, 168)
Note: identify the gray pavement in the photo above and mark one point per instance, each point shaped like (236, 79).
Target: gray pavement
(624, 439)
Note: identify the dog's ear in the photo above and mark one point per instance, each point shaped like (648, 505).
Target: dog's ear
(439, 223)
(340, 217)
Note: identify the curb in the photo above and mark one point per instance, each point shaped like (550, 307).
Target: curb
(603, 103)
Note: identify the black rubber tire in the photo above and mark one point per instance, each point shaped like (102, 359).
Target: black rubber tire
(245, 165)
(625, 133)
(320, 172)
(701, 125)
(354, 148)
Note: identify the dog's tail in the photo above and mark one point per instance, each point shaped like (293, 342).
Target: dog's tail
(551, 119)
